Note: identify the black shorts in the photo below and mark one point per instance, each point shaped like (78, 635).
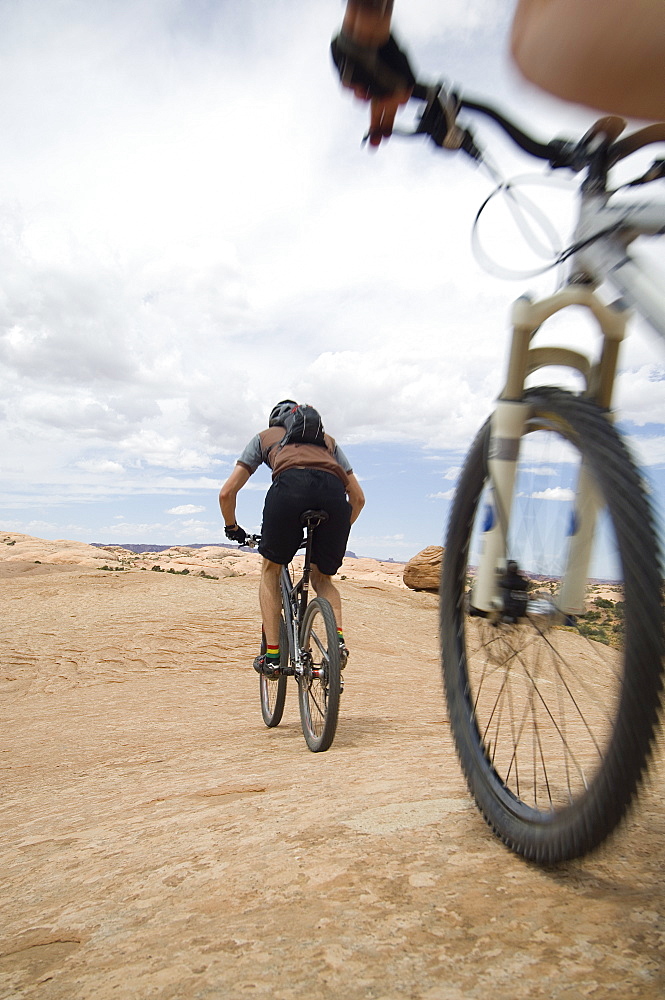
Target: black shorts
(293, 492)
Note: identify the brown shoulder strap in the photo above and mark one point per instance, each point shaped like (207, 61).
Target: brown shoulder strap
(270, 438)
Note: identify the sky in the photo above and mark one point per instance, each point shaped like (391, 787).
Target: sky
(191, 230)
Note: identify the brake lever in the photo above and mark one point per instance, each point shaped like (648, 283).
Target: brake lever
(438, 121)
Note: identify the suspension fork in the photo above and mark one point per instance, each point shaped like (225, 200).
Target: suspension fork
(507, 428)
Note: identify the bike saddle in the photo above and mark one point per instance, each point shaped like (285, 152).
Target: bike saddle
(313, 517)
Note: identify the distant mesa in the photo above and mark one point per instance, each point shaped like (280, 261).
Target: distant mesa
(139, 549)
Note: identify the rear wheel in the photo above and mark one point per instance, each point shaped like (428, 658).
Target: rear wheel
(273, 689)
(554, 714)
(319, 686)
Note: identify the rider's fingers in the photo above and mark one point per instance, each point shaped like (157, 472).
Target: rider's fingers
(382, 118)
(379, 120)
(382, 115)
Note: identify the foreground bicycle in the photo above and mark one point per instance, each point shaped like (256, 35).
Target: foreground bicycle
(553, 726)
(308, 642)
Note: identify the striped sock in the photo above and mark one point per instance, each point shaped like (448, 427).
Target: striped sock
(272, 654)
(340, 635)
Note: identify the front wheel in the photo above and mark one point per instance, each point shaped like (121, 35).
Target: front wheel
(319, 686)
(554, 714)
(273, 689)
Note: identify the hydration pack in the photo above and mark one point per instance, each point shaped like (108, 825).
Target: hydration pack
(303, 426)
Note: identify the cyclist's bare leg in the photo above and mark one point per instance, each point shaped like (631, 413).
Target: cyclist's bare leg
(324, 587)
(270, 600)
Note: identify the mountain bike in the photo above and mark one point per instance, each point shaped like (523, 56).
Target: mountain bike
(309, 650)
(553, 717)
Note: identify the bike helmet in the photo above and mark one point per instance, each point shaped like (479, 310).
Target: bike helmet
(279, 412)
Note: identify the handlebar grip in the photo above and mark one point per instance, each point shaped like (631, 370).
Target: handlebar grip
(421, 92)
(637, 140)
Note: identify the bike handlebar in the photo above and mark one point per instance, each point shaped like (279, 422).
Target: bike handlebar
(598, 150)
(253, 541)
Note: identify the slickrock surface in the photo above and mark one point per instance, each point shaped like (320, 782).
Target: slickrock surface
(159, 842)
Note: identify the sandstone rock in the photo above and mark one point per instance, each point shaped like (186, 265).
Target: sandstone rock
(423, 571)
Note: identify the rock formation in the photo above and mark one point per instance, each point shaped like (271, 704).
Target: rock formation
(423, 571)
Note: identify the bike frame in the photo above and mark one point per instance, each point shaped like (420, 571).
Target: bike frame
(599, 258)
(294, 602)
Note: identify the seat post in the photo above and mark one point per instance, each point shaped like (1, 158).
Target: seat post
(304, 590)
(309, 519)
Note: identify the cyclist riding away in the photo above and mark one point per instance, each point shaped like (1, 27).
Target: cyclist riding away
(605, 54)
(309, 471)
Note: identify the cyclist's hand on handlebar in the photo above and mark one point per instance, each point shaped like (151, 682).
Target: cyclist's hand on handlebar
(235, 533)
(379, 74)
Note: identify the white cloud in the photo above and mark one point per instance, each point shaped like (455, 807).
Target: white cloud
(640, 395)
(100, 465)
(558, 493)
(649, 450)
(162, 532)
(28, 527)
(374, 540)
(186, 508)
(539, 470)
(170, 267)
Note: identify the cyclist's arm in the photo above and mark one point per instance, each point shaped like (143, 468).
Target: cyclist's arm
(355, 495)
(229, 492)
(606, 54)
(367, 23)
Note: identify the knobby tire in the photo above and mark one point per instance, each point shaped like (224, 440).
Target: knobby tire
(319, 696)
(273, 689)
(553, 722)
